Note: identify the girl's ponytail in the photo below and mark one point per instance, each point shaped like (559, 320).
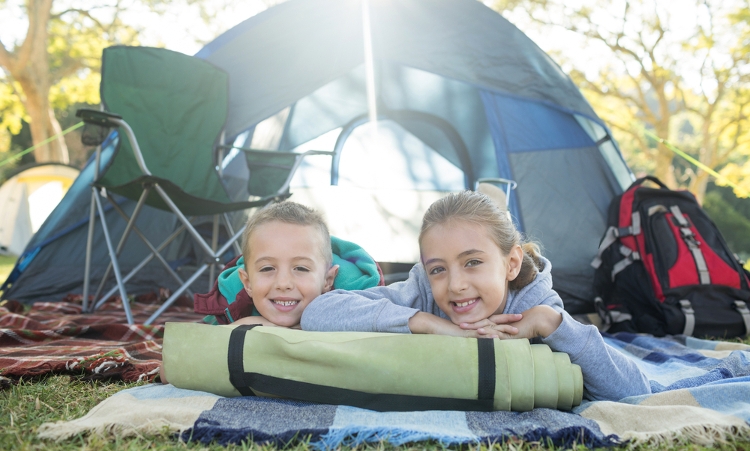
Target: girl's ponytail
(530, 266)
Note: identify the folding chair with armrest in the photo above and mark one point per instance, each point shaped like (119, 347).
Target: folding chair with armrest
(171, 109)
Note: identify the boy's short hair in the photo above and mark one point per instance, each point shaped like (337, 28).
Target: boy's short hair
(290, 213)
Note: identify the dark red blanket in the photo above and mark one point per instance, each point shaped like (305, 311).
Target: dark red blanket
(55, 337)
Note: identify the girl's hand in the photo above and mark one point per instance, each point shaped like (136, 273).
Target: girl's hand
(496, 326)
(427, 323)
(538, 321)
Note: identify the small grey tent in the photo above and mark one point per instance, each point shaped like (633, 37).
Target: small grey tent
(480, 97)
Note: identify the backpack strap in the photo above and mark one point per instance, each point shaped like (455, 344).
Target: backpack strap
(687, 310)
(689, 237)
(613, 234)
(745, 312)
(630, 257)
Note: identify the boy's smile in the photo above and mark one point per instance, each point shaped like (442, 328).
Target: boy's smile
(467, 271)
(285, 270)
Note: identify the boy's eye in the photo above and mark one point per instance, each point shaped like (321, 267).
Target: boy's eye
(301, 268)
(436, 270)
(473, 262)
(266, 268)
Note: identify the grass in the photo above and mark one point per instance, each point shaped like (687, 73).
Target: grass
(6, 266)
(25, 406)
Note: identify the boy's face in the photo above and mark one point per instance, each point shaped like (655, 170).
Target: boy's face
(285, 270)
(467, 271)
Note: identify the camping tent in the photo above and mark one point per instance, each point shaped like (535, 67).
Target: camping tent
(27, 198)
(452, 75)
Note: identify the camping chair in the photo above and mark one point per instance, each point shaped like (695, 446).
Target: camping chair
(170, 111)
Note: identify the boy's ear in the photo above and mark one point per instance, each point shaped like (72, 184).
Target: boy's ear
(245, 281)
(515, 260)
(330, 277)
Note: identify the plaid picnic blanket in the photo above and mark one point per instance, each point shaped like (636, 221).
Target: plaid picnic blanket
(55, 337)
(701, 395)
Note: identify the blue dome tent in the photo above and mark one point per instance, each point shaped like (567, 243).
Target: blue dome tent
(453, 74)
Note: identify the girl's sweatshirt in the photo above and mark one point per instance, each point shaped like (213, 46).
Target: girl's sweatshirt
(607, 373)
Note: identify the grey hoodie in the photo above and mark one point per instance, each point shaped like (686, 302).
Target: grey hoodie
(607, 373)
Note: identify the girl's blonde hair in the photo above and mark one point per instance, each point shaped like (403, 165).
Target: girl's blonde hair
(290, 213)
(479, 209)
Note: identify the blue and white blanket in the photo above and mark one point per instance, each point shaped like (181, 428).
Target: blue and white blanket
(701, 394)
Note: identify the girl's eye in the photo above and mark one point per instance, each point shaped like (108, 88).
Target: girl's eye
(436, 270)
(473, 263)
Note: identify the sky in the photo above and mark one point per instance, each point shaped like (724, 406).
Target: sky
(180, 28)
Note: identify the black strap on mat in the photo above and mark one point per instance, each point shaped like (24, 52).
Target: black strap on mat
(236, 360)
(246, 382)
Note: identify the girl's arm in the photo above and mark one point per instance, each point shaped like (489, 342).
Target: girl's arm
(607, 373)
(378, 309)
(403, 307)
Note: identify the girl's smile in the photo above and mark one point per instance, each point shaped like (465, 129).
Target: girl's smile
(467, 271)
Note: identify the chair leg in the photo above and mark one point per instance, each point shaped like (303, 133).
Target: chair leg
(195, 276)
(214, 244)
(130, 223)
(155, 254)
(115, 265)
(89, 243)
(176, 294)
(229, 227)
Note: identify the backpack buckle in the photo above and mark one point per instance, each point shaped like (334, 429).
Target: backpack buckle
(603, 313)
(687, 310)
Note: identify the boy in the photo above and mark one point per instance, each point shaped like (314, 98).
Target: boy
(289, 259)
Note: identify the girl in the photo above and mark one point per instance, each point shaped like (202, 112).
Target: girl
(477, 278)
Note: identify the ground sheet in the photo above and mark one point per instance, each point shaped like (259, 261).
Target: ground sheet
(701, 393)
(56, 338)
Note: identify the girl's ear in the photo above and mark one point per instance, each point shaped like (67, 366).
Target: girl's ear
(515, 261)
(245, 281)
(330, 277)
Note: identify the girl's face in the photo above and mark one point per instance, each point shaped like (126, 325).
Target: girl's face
(467, 271)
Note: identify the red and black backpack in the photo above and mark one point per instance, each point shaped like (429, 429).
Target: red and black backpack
(663, 268)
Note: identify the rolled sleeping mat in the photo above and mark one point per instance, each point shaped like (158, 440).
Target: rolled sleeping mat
(376, 371)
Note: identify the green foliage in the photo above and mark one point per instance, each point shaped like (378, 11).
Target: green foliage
(732, 217)
(12, 115)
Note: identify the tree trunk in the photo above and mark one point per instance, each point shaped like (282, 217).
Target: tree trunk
(43, 123)
(29, 66)
(699, 184)
(664, 170)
